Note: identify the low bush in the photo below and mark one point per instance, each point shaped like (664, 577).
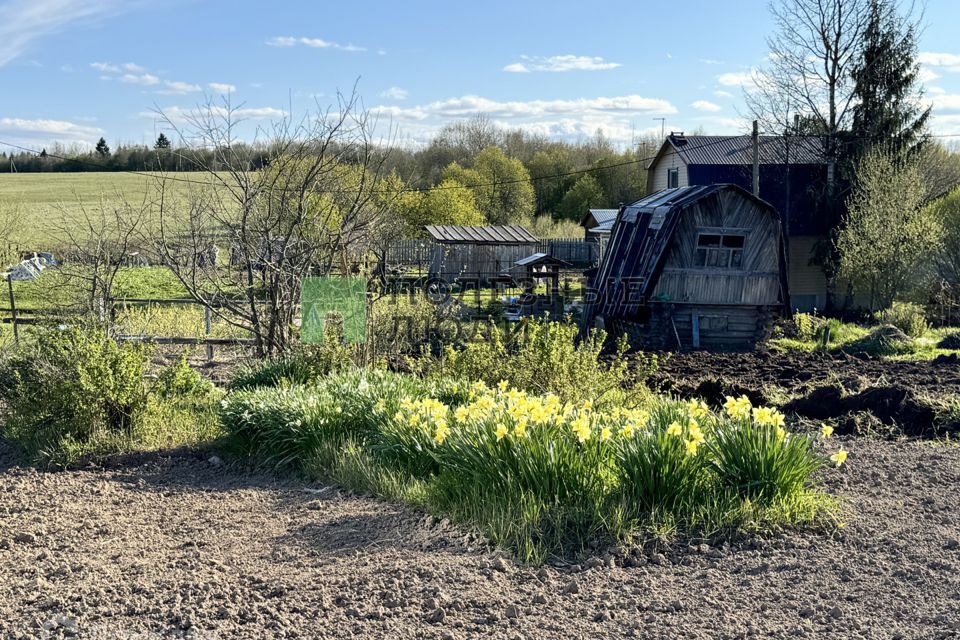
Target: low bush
(70, 394)
(537, 474)
(906, 316)
(306, 364)
(539, 356)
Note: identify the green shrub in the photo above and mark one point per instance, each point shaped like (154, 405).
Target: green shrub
(906, 316)
(546, 357)
(179, 380)
(809, 327)
(306, 364)
(72, 392)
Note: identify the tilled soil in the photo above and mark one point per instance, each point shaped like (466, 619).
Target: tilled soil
(179, 546)
(823, 386)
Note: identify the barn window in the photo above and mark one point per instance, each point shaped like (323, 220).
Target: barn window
(673, 178)
(719, 250)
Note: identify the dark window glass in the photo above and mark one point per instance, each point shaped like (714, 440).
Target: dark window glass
(707, 240)
(736, 259)
(700, 258)
(733, 242)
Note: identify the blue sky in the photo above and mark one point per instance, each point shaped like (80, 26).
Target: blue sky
(73, 70)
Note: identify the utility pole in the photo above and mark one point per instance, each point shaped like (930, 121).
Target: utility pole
(663, 123)
(756, 158)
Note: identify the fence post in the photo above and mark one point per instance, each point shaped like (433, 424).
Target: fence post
(13, 311)
(208, 329)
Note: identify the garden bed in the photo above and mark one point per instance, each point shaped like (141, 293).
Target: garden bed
(178, 546)
(858, 393)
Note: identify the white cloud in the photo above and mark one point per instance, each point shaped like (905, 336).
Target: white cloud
(315, 43)
(184, 114)
(133, 68)
(616, 117)
(560, 63)
(222, 87)
(105, 67)
(179, 88)
(936, 90)
(24, 21)
(146, 79)
(40, 132)
(927, 75)
(735, 79)
(394, 93)
(720, 93)
(706, 105)
(946, 102)
(947, 61)
(710, 61)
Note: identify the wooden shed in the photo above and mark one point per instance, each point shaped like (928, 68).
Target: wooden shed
(477, 254)
(692, 267)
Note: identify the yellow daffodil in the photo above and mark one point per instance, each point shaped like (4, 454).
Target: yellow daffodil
(398, 416)
(587, 405)
(503, 385)
(461, 414)
(627, 430)
(501, 431)
(520, 429)
(826, 431)
(606, 433)
(692, 446)
(441, 432)
(697, 408)
(738, 407)
(777, 419)
(380, 406)
(674, 429)
(781, 433)
(839, 457)
(696, 434)
(581, 428)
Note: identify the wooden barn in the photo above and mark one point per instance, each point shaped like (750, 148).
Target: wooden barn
(692, 267)
(477, 254)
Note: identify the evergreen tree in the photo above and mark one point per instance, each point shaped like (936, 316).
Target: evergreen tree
(887, 108)
(583, 195)
(162, 143)
(103, 150)
(43, 152)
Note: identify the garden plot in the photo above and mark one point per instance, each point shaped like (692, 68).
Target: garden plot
(177, 546)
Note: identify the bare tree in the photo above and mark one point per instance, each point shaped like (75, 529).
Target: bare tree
(319, 200)
(812, 53)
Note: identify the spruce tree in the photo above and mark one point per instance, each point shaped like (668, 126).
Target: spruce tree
(103, 150)
(162, 143)
(887, 88)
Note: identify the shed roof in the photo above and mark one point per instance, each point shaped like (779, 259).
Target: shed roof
(738, 150)
(600, 216)
(541, 258)
(500, 234)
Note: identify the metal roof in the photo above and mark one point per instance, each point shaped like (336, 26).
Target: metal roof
(599, 216)
(738, 150)
(501, 234)
(604, 227)
(540, 258)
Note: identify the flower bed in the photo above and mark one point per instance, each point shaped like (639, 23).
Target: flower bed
(536, 474)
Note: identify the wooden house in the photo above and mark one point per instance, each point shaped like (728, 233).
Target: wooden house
(792, 170)
(692, 267)
(477, 254)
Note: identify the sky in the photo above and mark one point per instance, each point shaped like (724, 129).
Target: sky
(74, 70)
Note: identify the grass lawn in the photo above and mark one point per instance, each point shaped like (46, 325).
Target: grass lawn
(845, 336)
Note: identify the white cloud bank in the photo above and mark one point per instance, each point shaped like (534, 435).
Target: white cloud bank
(560, 64)
(394, 93)
(616, 116)
(314, 43)
(706, 105)
(37, 133)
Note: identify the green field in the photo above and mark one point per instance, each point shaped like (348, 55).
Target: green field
(44, 204)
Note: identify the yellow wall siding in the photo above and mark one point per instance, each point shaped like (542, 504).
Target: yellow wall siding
(670, 160)
(808, 284)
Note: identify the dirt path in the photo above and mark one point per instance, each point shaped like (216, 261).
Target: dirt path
(179, 547)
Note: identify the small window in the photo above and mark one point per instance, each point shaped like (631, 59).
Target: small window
(673, 178)
(721, 251)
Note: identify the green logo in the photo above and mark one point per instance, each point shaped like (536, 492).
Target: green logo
(333, 299)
